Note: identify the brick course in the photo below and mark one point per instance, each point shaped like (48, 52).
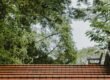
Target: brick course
(54, 72)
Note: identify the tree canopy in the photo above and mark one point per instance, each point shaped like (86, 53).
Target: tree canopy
(98, 13)
(101, 23)
(21, 43)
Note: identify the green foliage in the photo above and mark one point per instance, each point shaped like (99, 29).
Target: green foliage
(85, 53)
(101, 24)
(66, 45)
(18, 41)
(99, 16)
(79, 13)
(6, 58)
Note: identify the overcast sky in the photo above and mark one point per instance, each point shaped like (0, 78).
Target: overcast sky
(79, 30)
(79, 36)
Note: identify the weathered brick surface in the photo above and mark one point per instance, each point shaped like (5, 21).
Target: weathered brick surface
(54, 72)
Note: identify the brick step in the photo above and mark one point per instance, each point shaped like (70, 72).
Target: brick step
(30, 68)
(52, 66)
(55, 70)
(78, 67)
(54, 79)
(54, 76)
(53, 73)
(25, 68)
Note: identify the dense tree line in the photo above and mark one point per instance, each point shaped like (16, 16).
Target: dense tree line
(51, 42)
(19, 41)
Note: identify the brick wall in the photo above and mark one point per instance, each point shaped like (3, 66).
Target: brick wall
(54, 72)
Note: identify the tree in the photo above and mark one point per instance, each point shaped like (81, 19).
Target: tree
(18, 40)
(90, 52)
(99, 16)
(100, 23)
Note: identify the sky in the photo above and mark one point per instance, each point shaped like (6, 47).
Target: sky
(79, 30)
(79, 36)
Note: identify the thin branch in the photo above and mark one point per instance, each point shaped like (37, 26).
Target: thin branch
(54, 48)
(46, 37)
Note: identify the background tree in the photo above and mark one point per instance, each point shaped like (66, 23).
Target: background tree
(90, 52)
(100, 23)
(98, 13)
(20, 44)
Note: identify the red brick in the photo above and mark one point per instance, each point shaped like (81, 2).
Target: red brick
(54, 72)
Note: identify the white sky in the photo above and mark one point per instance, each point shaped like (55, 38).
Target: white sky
(79, 36)
(79, 30)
